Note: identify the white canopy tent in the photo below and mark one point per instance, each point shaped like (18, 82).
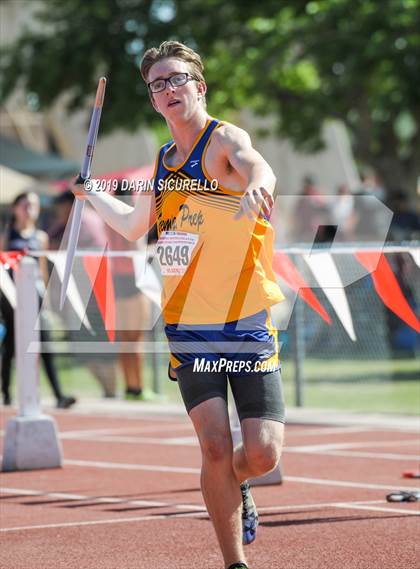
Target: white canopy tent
(13, 183)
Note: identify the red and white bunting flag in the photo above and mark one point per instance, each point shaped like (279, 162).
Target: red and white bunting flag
(58, 259)
(97, 268)
(10, 259)
(286, 270)
(387, 287)
(325, 271)
(415, 253)
(7, 286)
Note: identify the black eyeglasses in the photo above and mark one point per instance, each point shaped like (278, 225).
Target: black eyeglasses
(176, 80)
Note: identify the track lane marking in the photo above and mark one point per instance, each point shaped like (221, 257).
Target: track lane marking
(182, 470)
(100, 500)
(111, 431)
(125, 466)
(370, 455)
(367, 505)
(345, 446)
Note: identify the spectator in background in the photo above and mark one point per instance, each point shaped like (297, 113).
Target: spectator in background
(132, 308)
(371, 186)
(405, 225)
(93, 237)
(343, 212)
(22, 234)
(311, 214)
(92, 229)
(370, 224)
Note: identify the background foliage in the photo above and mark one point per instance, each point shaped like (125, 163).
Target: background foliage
(300, 62)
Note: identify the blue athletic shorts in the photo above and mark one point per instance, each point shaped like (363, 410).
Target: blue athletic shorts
(241, 347)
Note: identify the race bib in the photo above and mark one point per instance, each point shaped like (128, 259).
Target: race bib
(174, 250)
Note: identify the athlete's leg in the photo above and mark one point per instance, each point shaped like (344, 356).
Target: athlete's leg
(218, 481)
(259, 399)
(205, 397)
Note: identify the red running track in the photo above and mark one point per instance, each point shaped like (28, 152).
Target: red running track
(128, 497)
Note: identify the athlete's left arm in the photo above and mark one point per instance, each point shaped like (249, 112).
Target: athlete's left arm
(237, 147)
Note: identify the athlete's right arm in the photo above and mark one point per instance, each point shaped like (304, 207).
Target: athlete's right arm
(131, 222)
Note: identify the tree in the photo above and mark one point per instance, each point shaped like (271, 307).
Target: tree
(303, 62)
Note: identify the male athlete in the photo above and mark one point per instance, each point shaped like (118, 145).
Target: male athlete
(215, 251)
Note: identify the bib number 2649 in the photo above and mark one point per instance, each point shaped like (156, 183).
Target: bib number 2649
(174, 250)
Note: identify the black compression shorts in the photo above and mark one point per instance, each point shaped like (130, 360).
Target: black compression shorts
(258, 395)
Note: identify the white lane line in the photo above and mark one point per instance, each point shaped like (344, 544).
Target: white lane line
(322, 450)
(110, 521)
(101, 500)
(185, 470)
(373, 455)
(314, 505)
(360, 505)
(172, 441)
(347, 484)
(356, 445)
(193, 442)
(345, 506)
(118, 431)
(125, 466)
(325, 430)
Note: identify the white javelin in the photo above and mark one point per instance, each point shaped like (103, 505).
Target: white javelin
(84, 175)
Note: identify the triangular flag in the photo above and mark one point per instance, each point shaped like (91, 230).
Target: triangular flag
(59, 261)
(284, 267)
(7, 286)
(146, 278)
(387, 286)
(100, 277)
(415, 253)
(323, 267)
(11, 258)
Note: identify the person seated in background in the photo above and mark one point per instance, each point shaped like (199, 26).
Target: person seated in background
(22, 234)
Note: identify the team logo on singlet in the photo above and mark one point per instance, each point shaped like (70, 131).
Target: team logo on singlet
(194, 163)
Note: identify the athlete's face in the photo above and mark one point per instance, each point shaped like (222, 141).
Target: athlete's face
(181, 102)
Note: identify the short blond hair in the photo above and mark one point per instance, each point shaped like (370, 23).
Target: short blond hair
(172, 49)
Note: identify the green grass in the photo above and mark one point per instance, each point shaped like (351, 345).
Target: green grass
(383, 386)
(365, 386)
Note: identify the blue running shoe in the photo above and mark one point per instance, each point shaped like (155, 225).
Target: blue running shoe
(249, 515)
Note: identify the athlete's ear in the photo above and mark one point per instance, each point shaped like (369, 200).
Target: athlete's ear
(202, 89)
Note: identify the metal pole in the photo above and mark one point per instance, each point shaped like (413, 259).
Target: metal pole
(298, 345)
(157, 384)
(26, 314)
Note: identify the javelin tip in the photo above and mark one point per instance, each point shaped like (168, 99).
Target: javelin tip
(100, 92)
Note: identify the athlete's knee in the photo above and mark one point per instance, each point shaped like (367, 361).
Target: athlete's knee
(263, 452)
(216, 447)
(262, 458)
